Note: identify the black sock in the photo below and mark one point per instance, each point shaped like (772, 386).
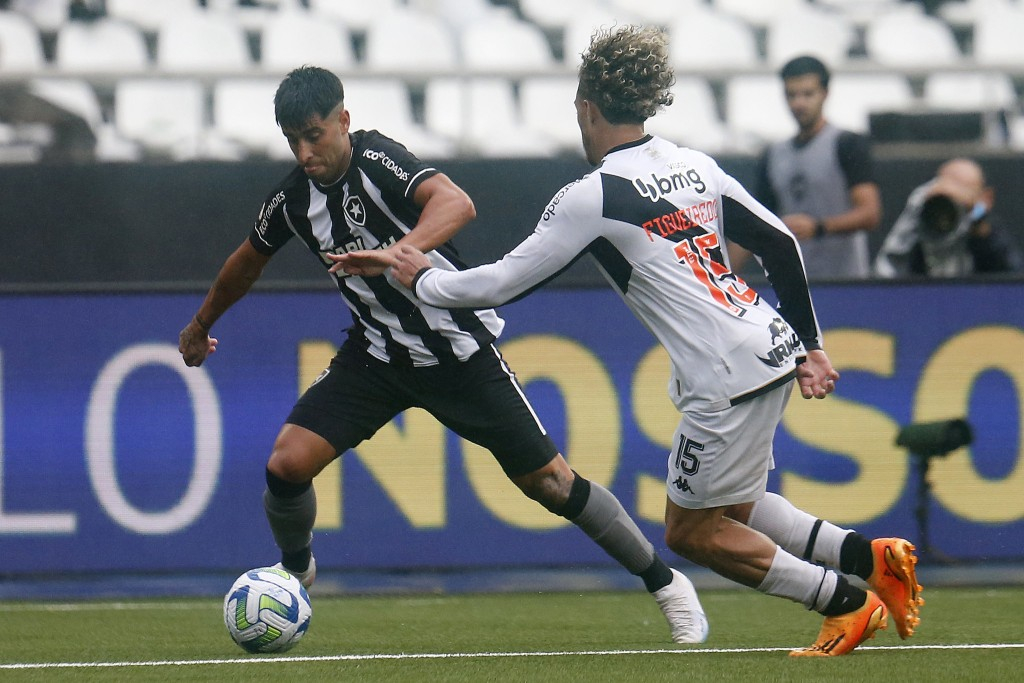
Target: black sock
(285, 489)
(855, 556)
(846, 599)
(297, 561)
(578, 496)
(657, 576)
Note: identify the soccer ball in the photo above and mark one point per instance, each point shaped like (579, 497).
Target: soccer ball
(267, 610)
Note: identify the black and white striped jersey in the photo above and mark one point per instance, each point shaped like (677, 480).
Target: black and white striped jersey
(655, 217)
(372, 207)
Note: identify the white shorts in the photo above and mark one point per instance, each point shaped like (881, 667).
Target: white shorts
(723, 458)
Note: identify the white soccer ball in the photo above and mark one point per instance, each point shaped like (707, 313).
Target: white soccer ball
(267, 610)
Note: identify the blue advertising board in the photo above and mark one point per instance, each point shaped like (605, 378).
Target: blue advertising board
(114, 456)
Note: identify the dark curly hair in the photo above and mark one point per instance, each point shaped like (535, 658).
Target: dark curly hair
(626, 73)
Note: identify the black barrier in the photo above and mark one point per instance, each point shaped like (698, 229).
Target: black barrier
(171, 225)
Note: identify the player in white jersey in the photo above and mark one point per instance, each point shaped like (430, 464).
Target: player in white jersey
(655, 216)
(356, 189)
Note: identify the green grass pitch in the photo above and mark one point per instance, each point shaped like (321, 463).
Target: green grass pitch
(968, 634)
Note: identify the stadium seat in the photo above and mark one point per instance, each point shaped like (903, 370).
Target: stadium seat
(657, 11)
(73, 94)
(965, 14)
(202, 42)
(503, 43)
(293, 38)
(150, 15)
(707, 40)
(47, 15)
(406, 40)
(692, 119)
(103, 45)
(852, 97)
(757, 12)
(969, 91)
(998, 38)
(458, 15)
(384, 104)
(165, 116)
(756, 111)
(581, 27)
(554, 15)
(809, 30)
(358, 15)
(77, 96)
(482, 115)
(21, 46)
(243, 111)
(908, 38)
(547, 106)
(861, 12)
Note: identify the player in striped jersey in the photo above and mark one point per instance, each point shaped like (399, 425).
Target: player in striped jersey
(357, 190)
(655, 216)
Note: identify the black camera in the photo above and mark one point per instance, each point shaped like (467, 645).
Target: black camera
(928, 439)
(941, 215)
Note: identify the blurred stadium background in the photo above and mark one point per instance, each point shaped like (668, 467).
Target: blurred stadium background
(137, 143)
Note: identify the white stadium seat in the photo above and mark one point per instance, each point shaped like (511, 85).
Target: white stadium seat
(21, 46)
(692, 119)
(151, 14)
(969, 90)
(106, 45)
(999, 38)
(165, 116)
(547, 106)
(808, 30)
(358, 15)
(243, 111)
(853, 97)
(908, 38)
(482, 115)
(293, 38)
(202, 42)
(756, 111)
(410, 41)
(711, 40)
(503, 43)
(384, 104)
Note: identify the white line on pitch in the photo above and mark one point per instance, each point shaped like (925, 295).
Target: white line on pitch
(471, 655)
(89, 606)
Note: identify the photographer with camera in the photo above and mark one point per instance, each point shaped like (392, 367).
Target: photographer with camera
(947, 229)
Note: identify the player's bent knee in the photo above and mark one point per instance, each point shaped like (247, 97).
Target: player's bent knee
(299, 455)
(549, 486)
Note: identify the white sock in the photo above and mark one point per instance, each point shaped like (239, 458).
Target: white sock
(794, 530)
(789, 577)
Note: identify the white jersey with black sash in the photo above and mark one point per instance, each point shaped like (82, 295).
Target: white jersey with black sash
(372, 207)
(653, 216)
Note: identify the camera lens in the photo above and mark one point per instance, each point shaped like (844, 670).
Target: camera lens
(940, 215)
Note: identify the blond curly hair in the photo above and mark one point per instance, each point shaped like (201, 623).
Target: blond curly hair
(626, 73)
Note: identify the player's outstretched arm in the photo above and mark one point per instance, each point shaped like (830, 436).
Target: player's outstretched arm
(235, 278)
(404, 261)
(364, 262)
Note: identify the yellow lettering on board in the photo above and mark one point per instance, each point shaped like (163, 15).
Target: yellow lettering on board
(593, 426)
(406, 457)
(852, 430)
(657, 418)
(944, 392)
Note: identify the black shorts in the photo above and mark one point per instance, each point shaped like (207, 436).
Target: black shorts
(479, 399)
